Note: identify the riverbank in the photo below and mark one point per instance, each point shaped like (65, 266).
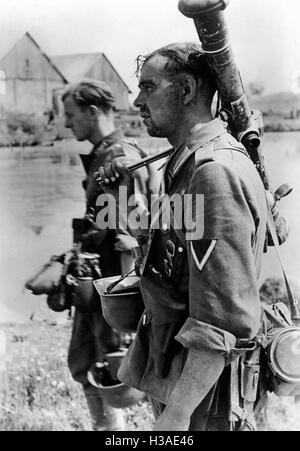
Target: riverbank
(280, 114)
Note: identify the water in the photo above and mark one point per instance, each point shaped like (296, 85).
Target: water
(282, 156)
(40, 193)
(39, 196)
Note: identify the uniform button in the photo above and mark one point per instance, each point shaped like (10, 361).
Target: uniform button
(180, 250)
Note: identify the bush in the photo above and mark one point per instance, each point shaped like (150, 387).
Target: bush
(279, 124)
(23, 121)
(4, 135)
(24, 129)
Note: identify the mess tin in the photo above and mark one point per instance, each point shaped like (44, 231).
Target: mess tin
(122, 306)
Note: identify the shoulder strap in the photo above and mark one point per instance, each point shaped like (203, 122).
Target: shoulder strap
(204, 154)
(130, 145)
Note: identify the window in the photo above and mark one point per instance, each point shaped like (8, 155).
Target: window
(2, 83)
(27, 68)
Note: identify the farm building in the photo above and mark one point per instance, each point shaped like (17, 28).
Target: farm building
(30, 79)
(97, 66)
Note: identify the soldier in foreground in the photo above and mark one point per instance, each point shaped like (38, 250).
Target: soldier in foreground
(89, 113)
(200, 292)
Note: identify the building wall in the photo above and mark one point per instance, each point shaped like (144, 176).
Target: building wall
(102, 70)
(32, 96)
(30, 78)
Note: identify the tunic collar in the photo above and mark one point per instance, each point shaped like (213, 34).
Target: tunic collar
(100, 148)
(200, 135)
(107, 141)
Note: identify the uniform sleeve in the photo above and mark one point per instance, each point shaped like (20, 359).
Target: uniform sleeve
(223, 289)
(125, 239)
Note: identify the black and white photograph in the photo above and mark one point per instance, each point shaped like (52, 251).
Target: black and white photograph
(149, 227)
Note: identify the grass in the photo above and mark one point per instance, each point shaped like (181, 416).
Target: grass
(40, 394)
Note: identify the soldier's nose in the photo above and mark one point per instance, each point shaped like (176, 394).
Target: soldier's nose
(138, 101)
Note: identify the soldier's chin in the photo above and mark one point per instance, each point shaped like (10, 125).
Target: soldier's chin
(153, 131)
(79, 138)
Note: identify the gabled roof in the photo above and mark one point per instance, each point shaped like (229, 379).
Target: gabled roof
(28, 36)
(75, 67)
(72, 68)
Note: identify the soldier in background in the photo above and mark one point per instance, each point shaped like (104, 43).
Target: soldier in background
(89, 113)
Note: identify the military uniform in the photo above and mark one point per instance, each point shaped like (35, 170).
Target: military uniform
(200, 292)
(92, 337)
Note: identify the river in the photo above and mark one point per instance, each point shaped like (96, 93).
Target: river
(40, 193)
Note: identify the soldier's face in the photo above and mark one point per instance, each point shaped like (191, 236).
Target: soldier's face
(159, 99)
(78, 119)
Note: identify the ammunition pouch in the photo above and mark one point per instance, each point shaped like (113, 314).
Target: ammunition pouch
(250, 371)
(245, 389)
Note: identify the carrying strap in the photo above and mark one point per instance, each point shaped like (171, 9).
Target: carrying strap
(292, 301)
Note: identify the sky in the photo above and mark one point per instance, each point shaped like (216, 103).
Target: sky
(265, 33)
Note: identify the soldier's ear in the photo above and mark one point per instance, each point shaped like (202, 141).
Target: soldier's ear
(190, 88)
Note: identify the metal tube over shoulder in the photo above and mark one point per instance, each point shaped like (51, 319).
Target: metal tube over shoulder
(196, 8)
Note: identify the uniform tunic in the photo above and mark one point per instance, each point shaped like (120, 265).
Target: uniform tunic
(201, 292)
(92, 337)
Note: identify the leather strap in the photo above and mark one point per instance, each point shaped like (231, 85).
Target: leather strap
(292, 301)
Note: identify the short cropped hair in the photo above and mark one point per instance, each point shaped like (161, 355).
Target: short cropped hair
(183, 57)
(91, 92)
